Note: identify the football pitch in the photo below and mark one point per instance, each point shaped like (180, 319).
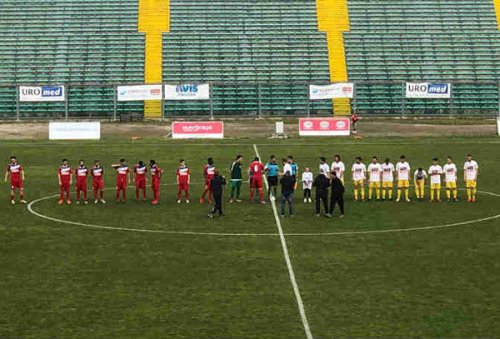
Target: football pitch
(135, 270)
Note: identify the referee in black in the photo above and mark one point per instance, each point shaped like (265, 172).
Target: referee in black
(337, 195)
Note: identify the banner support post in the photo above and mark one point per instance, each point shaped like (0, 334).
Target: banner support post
(259, 97)
(211, 102)
(115, 101)
(403, 103)
(162, 101)
(18, 99)
(66, 90)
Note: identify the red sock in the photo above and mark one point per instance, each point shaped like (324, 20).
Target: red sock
(137, 193)
(61, 193)
(252, 192)
(179, 192)
(124, 194)
(68, 195)
(117, 194)
(187, 193)
(95, 194)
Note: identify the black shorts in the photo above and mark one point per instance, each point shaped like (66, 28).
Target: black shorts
(272, 181)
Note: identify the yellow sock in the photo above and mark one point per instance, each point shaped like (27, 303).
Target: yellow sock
(474, 193)
(355, 194)
(438, 194)
(448, 194)
(468, 193)
(399, 193)
(407, 194)
(378, 194)
(362, 193)
(370, 193)
(422, 192)
(390, 193)
(455, 193)
(432, 194)
(383, 194)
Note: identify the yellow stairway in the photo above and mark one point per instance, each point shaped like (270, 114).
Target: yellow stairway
(154, 20)
(333, 18)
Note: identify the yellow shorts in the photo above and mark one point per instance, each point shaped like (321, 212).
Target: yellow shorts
(451, 185)
(374, 184)
(420, 183)
(359, 182)
(403, 183)
(435, 186)
(387, 184)
(471, 184)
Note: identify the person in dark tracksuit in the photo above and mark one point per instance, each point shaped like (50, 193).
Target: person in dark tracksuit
(337, 196)
(217, 184)
(322, 184)
(287, 189)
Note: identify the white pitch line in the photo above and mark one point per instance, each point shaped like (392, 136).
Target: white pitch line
(291, 272)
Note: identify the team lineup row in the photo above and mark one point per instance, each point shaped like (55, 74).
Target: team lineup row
(380, 178)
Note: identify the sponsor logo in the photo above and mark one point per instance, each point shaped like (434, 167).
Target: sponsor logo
(308, 124)
(155, 91)
(324, 125)
(187, 90)
(438, 88)
(341, 125)
(52, 91)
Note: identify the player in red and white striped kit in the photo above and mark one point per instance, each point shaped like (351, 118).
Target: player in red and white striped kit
(65, 176)
(256, 179)
(156, 173)
(122, 180)
(97, 173)
(183, 179)
(140, 171)
(208, 174)
(16, 173)
(81, 173)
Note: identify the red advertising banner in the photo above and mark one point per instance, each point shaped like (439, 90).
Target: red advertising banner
(325, 126)
(198, 130)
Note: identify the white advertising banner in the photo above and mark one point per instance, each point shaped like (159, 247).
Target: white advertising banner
(187, 92)
(42, 93)
(332, 91)
(498, 126)
(427, 90)
(139, 92)
(75, 130)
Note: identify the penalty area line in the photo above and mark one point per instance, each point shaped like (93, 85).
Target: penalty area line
(289, 266)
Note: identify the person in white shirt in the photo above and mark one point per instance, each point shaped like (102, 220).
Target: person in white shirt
(375, 175)
(387, 179)
(435, 171)
(471, 170)
(338, 167)
(307, 181)
(450, 177)
(324, 168)
(403, 169)
(287, 167)
(359, 177)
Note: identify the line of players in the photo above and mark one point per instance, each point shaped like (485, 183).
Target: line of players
(380, 179)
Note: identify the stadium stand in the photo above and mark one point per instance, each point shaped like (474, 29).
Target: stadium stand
(238, 44)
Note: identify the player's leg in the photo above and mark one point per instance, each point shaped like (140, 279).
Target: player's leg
(390, 189)
(362, 188)
(68, 194)
(384, 190)
(117, 193)
(290, 204)
(318, 202)
(356, 187)
(448, 191)
(283, 202)
(179, 192)
(370, 190)
(455, 191)
(438, 192)
(407, 190)
(400, 184)
(12, 195)
(474, 191)
(325, 203)
(378, 190)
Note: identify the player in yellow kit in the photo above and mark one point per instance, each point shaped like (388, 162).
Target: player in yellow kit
(387, 179)
(403, 170)
(450, 176)
(419, 181)
(375, 173)
(359, 177)
(471, 170)
(435, 171)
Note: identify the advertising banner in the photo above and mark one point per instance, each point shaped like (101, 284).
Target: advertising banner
(198, 130)
(427, 90)
(139, 92)
(187, 92)
(42, 93)
(75, 130)
(324, 126)
(332, 91)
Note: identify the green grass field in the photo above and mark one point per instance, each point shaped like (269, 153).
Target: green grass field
(187, 276)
